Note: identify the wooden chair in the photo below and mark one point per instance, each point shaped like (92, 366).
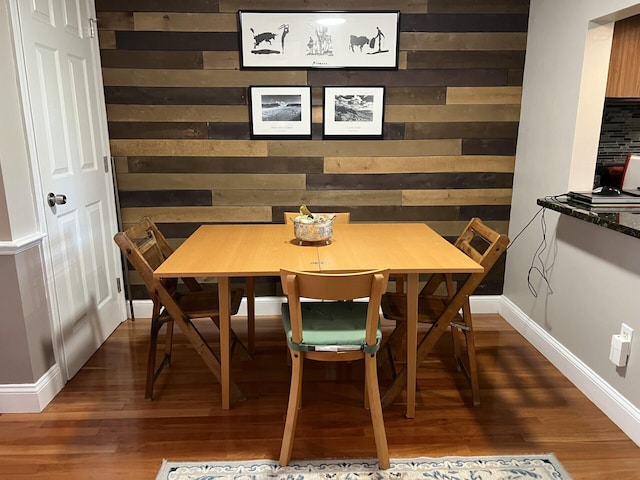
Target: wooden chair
(341, 217)
(146, 248)
(334, 330)
(448, 308)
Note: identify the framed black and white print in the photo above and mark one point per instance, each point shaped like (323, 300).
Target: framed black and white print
(280, 111)
(333, 39)
(353, 112)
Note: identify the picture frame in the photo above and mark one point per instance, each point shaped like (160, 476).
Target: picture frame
(319, 39)
(353, 111)
(280, 111)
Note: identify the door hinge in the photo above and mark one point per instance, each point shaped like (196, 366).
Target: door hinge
(93, 22)
(118, 285)
(107, 161)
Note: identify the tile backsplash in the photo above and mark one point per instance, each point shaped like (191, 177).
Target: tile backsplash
(620, 133)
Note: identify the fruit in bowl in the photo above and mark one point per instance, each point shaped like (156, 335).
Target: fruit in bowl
(308, 227)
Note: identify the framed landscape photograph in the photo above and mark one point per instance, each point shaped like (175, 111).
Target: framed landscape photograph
(280, 112)
(333, 39)
(353, 112)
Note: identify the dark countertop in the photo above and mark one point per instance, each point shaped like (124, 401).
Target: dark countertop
(623, 222)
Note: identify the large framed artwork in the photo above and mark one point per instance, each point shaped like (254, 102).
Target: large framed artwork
(280, 111)
(279, 39)
(353, 112)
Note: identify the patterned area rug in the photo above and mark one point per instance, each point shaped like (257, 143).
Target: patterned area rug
(519, 467)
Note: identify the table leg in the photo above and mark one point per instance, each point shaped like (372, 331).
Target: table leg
(225, 339)
(251, 313)
(412, 342)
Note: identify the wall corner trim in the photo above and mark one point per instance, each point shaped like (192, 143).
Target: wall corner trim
(31, 397)
(14, 247)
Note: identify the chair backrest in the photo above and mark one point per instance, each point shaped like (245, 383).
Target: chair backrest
(146, 249)
(341, 217)
(482, 244)
(335, 287)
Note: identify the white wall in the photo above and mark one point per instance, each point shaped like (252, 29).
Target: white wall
(18, 217)
(26, 350)
(594, 273)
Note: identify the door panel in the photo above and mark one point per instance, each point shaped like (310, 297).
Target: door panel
(65, 90)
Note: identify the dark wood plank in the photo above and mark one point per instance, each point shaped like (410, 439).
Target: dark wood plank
(150, 59)
(463, 22)
(474, 6)
(176, 95)
(157, 5)
(461, 130)
(259, 165)
(411, 78)
(165, 198)
(158, 130)
(177, 40)
(227, 130)
(465, 59)
(489, 146)
(423, 181)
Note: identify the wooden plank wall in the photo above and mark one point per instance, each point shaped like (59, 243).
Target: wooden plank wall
(179, 119)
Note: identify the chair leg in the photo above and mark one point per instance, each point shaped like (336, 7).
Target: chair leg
(295, 391)
(468, 365)
(152, 372)
(375, 408)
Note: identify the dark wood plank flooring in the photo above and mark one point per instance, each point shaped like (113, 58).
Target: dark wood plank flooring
(100, 426)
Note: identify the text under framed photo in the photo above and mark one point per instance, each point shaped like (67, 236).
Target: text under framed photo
(282, 39)
(280, 111)
(353, 112)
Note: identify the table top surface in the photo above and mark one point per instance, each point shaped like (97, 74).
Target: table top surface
(263, 249)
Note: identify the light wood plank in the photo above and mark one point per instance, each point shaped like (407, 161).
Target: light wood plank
(462, 196)
(189, 181)
(107, 39)
(484, 95)
(463, 41)
(420, 164)
(115, 20)
(364, 147)
(223, 214)
(185, 22)
(149, 77)
(221, 60)
(452, 113)
(178, 113)
(309, 197)
(196, 148)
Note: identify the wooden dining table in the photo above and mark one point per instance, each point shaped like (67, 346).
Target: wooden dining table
(258, 250)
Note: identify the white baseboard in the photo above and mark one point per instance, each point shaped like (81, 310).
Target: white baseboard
(264, 306)
(621, 412)
(31, 397)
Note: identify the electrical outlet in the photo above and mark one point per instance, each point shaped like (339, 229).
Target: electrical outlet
(626, 332)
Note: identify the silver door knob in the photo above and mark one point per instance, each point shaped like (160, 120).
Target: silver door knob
(54, 199)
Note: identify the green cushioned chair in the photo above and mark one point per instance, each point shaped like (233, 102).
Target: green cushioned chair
(335, 329)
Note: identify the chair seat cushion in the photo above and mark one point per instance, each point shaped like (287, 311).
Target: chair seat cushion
(331, 326)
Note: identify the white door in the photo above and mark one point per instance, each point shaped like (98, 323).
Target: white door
(64, 85)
